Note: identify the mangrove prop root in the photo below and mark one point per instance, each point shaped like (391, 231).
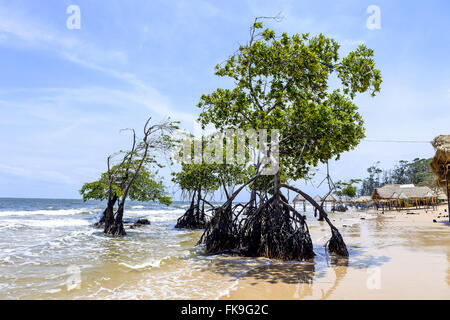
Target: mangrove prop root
(219, 235)
(192, 220)
(268, 231)
(115, 230)
(336, 244)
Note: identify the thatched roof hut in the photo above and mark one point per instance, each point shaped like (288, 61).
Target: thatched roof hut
(402, 195)
(441, 195)
(299, 198)
(329, 198)
(441, 162)
(363, 199)
(402, 191)
(317, 199)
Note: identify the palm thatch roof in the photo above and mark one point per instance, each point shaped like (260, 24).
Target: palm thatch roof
(363, 199)
(441, 195)
(317, 199)
(441, 160)
(402, 191)
(329, 198)
(299, 198)
(402, 196)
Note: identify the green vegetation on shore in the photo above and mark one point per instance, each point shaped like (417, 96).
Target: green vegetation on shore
(416, 172)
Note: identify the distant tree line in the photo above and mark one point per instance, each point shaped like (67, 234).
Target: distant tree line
(415, 172)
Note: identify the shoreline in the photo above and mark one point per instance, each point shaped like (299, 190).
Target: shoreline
(393, 255)
(406, 256)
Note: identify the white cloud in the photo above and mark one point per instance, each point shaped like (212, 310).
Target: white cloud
(36, 173)
(88, 55)
(28, 32)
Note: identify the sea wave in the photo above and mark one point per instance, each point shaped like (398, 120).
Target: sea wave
(64, 212)
(155, 212)
(53, 223)
(152, 263)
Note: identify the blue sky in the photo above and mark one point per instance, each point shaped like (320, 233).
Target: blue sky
(65, 94)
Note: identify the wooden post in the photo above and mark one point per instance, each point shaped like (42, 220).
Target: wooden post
(448, 192)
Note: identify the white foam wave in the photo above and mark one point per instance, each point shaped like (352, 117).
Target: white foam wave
(152, 263)
(64, 212)
(54, 223)
(137, 207)
(156, 212)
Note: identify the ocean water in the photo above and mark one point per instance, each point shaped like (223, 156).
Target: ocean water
(49, 249)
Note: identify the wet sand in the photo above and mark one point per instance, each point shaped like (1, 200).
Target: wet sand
(393, 255)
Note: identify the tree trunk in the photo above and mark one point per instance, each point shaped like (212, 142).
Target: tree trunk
(199, 198)
(276, 187)
(448, 193)
(194, 217)
(115, 227)
(107, 213)
(321, 216)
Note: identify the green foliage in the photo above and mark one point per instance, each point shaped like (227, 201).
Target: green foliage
(147, 187)
(282, 83)
(231, 175)
(415, 172)
(346, 189)
(264, 183)
(97, 190)
(194, 176)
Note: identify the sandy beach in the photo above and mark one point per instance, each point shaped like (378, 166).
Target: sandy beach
(393, 255)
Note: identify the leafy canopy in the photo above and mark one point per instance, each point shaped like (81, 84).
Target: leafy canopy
(146, 187)
(282, 83)
(193, 176)
(346, 189)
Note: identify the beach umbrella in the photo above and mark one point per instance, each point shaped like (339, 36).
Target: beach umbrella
(440, 164)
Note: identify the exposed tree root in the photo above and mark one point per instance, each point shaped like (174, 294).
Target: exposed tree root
(115, 230)
(268, 231)
(220, 235)
(114, 225)
(336, 244)
(272, 229)
(271, 232)
(192, 219)
(101, 223)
